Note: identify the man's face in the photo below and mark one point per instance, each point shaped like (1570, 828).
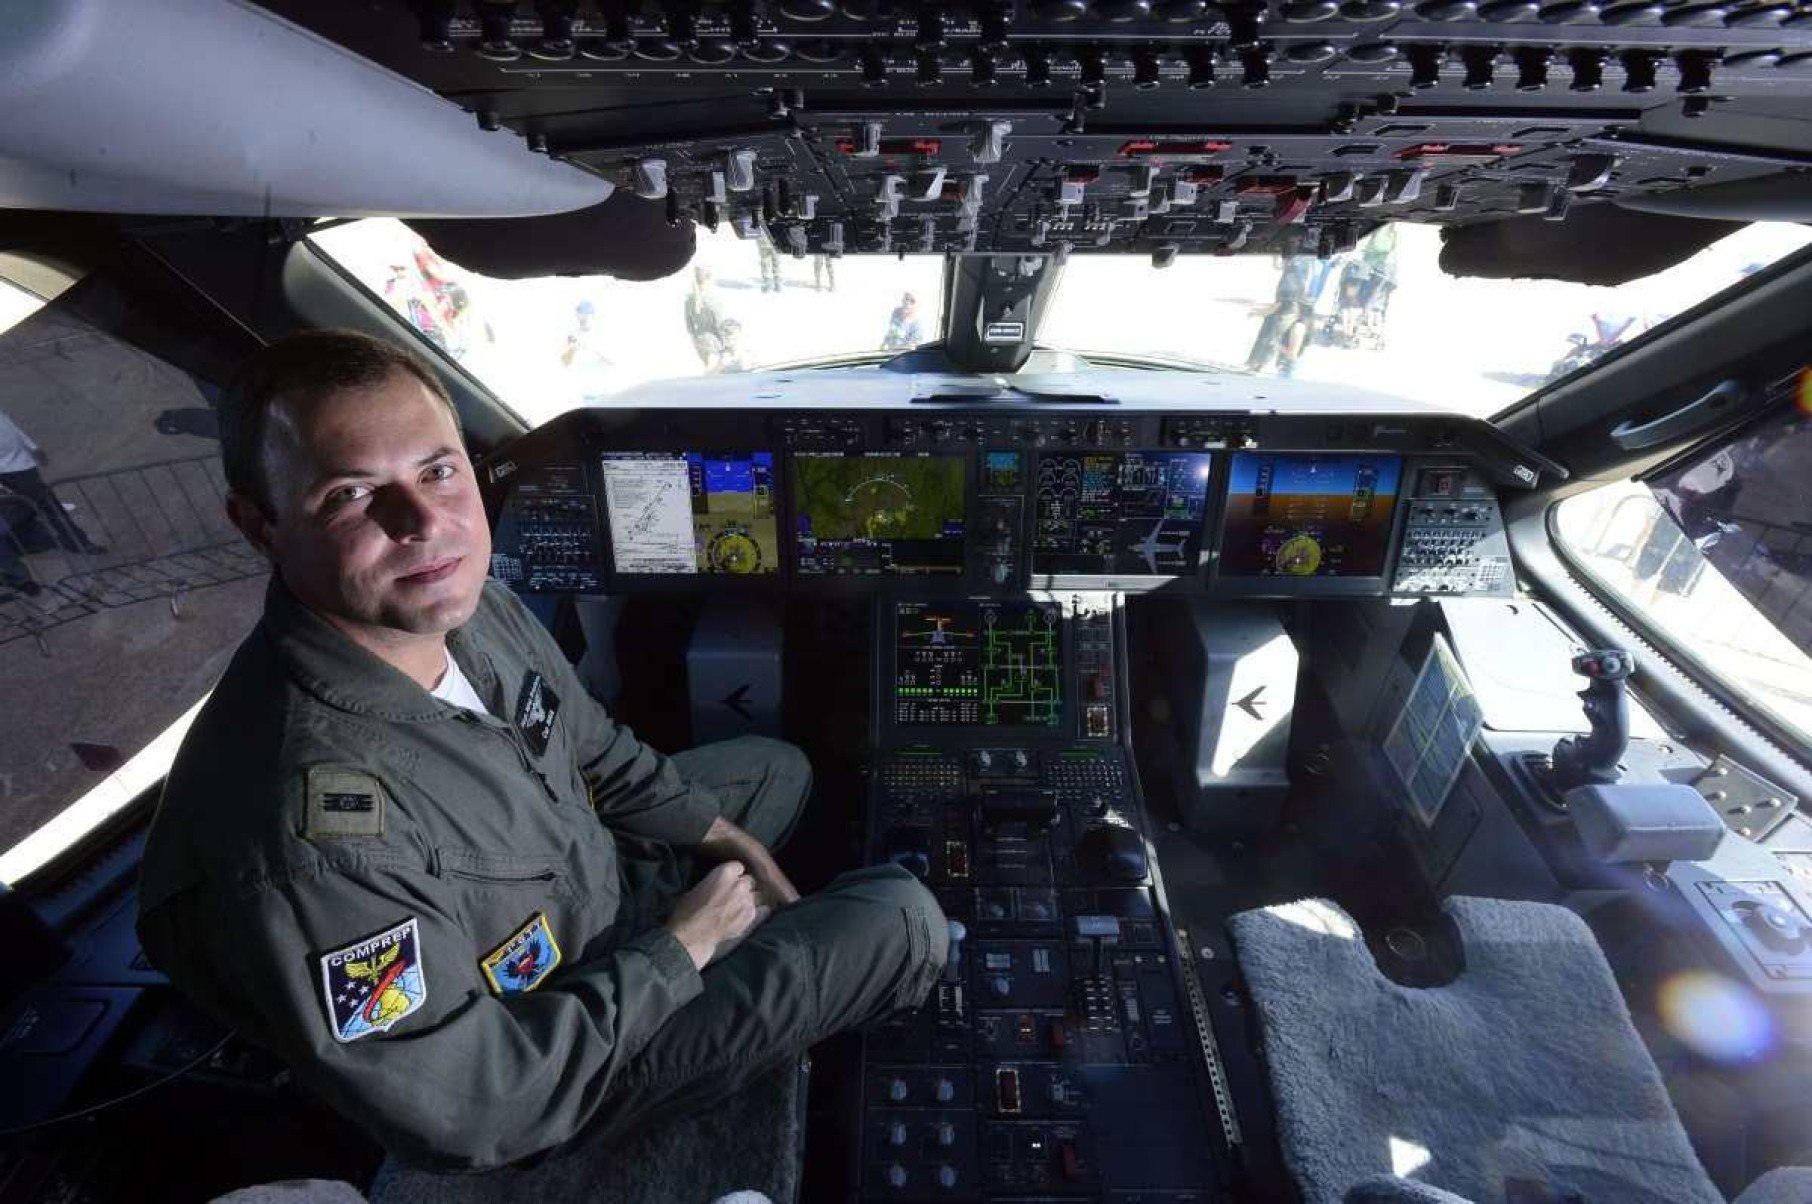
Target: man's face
(378, 522)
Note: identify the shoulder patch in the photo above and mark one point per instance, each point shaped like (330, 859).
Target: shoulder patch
(536, 707)
(373, 983)
(342, 803)
(521, 962)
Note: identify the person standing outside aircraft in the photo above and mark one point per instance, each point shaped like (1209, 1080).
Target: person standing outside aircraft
(20, 459)
(903, 332)
(704, 317)
(403, 849)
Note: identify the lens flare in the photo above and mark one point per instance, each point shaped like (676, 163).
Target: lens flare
(1716, 1017)
(1803, 393)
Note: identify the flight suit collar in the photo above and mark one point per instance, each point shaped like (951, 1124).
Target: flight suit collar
(343, 675)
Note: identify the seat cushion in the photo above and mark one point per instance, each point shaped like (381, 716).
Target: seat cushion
(751, 1141)
(1523, 1073)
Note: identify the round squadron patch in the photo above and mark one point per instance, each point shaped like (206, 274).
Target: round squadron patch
(373, 983)
(520, 963)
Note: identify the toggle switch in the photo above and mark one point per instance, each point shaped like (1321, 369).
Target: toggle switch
(739, 170)
(988, 140)
(651, 179)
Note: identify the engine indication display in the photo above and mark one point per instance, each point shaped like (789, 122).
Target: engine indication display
(1120, 513)
(1309, 515)
(987, 664)
(865, 515)
(691, 512)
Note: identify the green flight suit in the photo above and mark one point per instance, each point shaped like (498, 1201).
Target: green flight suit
(417, 907)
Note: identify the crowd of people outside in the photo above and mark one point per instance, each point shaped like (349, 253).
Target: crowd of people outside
(1341, 301)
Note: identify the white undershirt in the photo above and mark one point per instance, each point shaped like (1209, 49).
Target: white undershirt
(456, 689)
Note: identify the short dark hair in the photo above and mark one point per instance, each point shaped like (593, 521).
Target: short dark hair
(302, 369)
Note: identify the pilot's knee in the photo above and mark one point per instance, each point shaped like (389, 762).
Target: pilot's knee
(927, 945)
(788, 767)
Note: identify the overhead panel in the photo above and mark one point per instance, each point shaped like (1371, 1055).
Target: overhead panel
(1159, 126)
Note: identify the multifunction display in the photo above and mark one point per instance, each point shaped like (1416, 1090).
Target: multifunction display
(982, 664)
(865, 515)
(1120, 513)
(691, 512)
(1309, 515)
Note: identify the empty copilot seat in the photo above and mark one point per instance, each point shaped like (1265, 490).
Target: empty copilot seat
(753, 1141)
(1521, 1079)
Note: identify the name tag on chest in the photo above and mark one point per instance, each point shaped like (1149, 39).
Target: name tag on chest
(536, 707)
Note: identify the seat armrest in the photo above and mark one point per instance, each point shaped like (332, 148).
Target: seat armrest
(1653, 823)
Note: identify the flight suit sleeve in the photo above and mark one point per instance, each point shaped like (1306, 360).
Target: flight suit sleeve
(362, 980)
(633, 788)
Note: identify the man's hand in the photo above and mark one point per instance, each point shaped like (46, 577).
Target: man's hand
(728, 842)
(713, 916)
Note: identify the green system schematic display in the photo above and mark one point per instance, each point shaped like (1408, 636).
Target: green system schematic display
(980, 664)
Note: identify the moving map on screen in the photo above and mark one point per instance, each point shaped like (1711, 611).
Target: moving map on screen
(878, 514)
(1309, 515)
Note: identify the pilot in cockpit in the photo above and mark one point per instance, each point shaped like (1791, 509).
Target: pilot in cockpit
(403, 848)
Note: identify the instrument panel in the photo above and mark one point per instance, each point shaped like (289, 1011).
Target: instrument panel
(1003, 498)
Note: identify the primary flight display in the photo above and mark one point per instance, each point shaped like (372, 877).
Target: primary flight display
(1302, 515)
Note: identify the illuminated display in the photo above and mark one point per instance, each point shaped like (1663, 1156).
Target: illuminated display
(983, 664)
(1002, 471)
(862, 515)
(690, 512)
(1309, 515)
(1120, 513)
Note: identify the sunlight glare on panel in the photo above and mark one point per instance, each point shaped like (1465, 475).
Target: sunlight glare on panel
(1716, 1017)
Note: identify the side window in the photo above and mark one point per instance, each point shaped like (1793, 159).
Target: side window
(123, 587)
(1716, 556)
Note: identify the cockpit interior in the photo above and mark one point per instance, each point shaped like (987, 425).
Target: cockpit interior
(1290, 518)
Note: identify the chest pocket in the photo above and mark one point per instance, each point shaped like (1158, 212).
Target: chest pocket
(498, 869)
(516, 910)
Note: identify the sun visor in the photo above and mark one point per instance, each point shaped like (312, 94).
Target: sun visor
(1786, 197)
(212, 107)
(1597, 244)
(625, 237)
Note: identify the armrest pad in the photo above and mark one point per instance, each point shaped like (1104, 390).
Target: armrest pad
(1645, 823)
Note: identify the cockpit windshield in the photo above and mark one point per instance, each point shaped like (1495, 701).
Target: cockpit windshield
(1382, 316)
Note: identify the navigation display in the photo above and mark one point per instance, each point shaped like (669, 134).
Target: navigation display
(1120, 513)
(862, 515)
(691, 512)
(983, 664)
(1309, 515)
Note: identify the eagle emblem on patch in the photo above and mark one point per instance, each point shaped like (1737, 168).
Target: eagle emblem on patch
(522, 961)
(373, 983)
(536, 707)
